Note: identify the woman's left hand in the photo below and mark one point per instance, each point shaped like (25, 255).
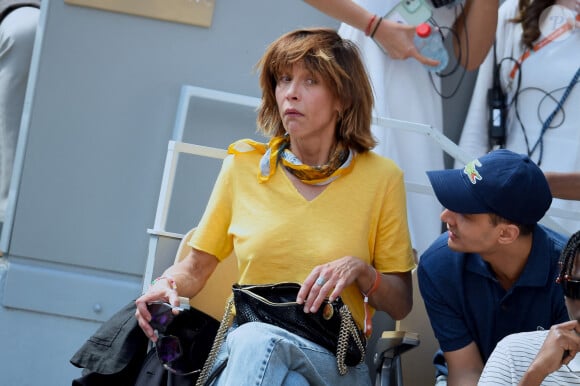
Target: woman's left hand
(329, 280)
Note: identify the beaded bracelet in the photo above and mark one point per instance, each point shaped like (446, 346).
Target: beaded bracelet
(170, 280)
(369, 26)
(368, 327)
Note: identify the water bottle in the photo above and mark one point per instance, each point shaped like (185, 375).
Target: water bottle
(430, 44)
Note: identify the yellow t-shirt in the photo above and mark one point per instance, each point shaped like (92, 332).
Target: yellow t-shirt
(279, 236)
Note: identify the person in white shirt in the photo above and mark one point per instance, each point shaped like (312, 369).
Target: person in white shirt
(537, 65)
(405, 90)
(544, 357)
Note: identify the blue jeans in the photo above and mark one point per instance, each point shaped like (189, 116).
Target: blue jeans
(263, 354)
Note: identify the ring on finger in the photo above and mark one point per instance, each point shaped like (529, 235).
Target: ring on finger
(320, 281)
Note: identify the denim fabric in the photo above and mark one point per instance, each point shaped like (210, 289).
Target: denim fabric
(263, 354)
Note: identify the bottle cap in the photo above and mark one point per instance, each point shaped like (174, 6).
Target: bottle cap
(423, 30)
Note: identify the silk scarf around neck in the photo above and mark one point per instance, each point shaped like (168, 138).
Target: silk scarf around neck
(277, 150)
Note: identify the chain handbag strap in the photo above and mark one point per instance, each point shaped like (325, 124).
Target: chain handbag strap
(217, 344)
(348, 329)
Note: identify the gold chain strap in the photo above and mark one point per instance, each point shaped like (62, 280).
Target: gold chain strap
(217, 344)
(347, 328)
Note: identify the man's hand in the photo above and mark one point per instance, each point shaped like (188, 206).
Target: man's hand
(560, 347)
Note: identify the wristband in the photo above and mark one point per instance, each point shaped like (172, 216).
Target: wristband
(369, 26)
(368, 325)
(376, 27)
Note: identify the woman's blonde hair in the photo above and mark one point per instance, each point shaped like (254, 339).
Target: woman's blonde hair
(338, 62)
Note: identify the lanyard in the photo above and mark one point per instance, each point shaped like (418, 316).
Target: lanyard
(548, 121)
(541, 44)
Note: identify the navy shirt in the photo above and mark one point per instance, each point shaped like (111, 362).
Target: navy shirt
(465, 302)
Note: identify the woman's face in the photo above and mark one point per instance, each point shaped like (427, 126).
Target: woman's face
(307, 107)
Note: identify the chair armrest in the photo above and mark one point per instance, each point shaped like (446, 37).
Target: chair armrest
(394, 343)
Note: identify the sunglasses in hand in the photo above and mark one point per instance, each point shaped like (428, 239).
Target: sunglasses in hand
(168, 346)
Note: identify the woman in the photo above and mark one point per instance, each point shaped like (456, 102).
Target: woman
(286, 209)
(538, 85)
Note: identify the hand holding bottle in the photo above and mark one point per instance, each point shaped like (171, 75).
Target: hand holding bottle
(430, 44)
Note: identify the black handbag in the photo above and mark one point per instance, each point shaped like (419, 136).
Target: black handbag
(332, 326)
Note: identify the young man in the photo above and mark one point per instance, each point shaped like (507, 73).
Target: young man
(492, 273)
(531, 358)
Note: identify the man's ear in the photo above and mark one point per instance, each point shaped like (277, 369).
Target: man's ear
(508, 233)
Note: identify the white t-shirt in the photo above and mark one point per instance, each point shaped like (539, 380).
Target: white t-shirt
(514, 354)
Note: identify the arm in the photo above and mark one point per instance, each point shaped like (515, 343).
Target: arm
(564, 185)
(396, 39)
(479, 17)
(190, 276)
(561, 340)
(394, 295)
(389, 250)
(476, 31)
(465, 365)
(447, 313)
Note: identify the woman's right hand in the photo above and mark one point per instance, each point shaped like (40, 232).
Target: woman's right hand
(162, 289)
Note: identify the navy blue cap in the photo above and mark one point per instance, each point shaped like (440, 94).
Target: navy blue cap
(508, 184)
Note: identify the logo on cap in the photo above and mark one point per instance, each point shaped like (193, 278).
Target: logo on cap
(471, 171)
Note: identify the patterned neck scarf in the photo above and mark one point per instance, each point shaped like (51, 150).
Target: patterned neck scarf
(341, 161)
